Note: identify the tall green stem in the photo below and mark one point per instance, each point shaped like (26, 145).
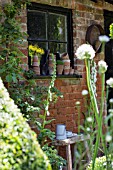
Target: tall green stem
(90, 88)
(102, 110)
(95, 108)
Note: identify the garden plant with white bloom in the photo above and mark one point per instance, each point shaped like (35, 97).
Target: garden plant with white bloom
(104, 38)
(95, 109)
(84, 92)
(102, 66)
(110, 82)
(85, 51)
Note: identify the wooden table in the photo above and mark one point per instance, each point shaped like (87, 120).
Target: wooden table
(73, 140)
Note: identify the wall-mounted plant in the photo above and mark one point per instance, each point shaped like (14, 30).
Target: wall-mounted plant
(11, 38)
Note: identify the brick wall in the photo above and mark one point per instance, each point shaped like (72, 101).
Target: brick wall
(85, 13)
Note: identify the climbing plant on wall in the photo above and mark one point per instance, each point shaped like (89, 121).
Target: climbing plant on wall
(11, 38)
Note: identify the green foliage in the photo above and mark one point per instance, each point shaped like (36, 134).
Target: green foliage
(11, 37)
(100, 164)
(55, 160)
(46, 136)
(19, 149)
(111, 31)
(59, 62)
(31, 99)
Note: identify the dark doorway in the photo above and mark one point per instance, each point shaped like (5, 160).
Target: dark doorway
(108, 19)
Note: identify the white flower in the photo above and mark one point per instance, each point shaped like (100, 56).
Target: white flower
(104, 163)
(48, 113)
(84, 92)
(112, 164)
(88, 129)
(102, 66)
(61, 96)
(110, 110)
(110, 82)
(108, 138)
(111, 100)
(103, 38)
(89, 119)
(77, 103)
(85, 51)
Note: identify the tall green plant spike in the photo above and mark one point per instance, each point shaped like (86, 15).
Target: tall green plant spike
(19, 149)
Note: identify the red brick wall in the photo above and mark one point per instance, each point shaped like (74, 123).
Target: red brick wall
(85, 13)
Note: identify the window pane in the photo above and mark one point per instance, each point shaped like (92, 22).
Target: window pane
(37, 25)
(57, 47)
(57, 29)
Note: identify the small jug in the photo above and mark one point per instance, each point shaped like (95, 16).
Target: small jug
(61, 132)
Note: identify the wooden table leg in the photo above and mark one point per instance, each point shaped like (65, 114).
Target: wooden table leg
(69, 159)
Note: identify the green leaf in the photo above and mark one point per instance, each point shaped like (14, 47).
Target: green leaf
(41, 116)
(48, 121)
(2, 70)
(14, 79)
(9, 78)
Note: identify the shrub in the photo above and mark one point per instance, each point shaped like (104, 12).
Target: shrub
(100, 164)
(19, 149)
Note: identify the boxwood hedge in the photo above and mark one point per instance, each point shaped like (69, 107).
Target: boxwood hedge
(19, 149)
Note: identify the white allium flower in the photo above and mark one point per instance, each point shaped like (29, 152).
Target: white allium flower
(104, 163)
(108, 138)
(110, 110)
(110, 82)
(102, 66)
(48, 113)
(85, 51)
(112, 164)
(88, 129)
(89, 119)
(104, 38)
(77, 103)
(84, 92)
(111, 100)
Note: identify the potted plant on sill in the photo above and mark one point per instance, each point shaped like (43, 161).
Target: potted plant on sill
(59, 67)
(35, 53)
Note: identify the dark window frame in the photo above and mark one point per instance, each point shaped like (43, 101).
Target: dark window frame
(58, 10)
(109, 1)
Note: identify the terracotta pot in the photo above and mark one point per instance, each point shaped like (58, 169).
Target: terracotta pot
(51, 69)
(65, 56)
(36, 70)
(66, 71)
(59, 69)
(36, 60)
(35, 64)
(71, 72)
(66, 63)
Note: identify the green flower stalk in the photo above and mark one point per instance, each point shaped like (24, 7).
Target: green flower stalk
(86, 52)
(111, 31)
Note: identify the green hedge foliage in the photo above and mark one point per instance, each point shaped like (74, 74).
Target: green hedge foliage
(19, 149)
(100, 164)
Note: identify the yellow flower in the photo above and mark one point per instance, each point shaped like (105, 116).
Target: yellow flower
(35, 50)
